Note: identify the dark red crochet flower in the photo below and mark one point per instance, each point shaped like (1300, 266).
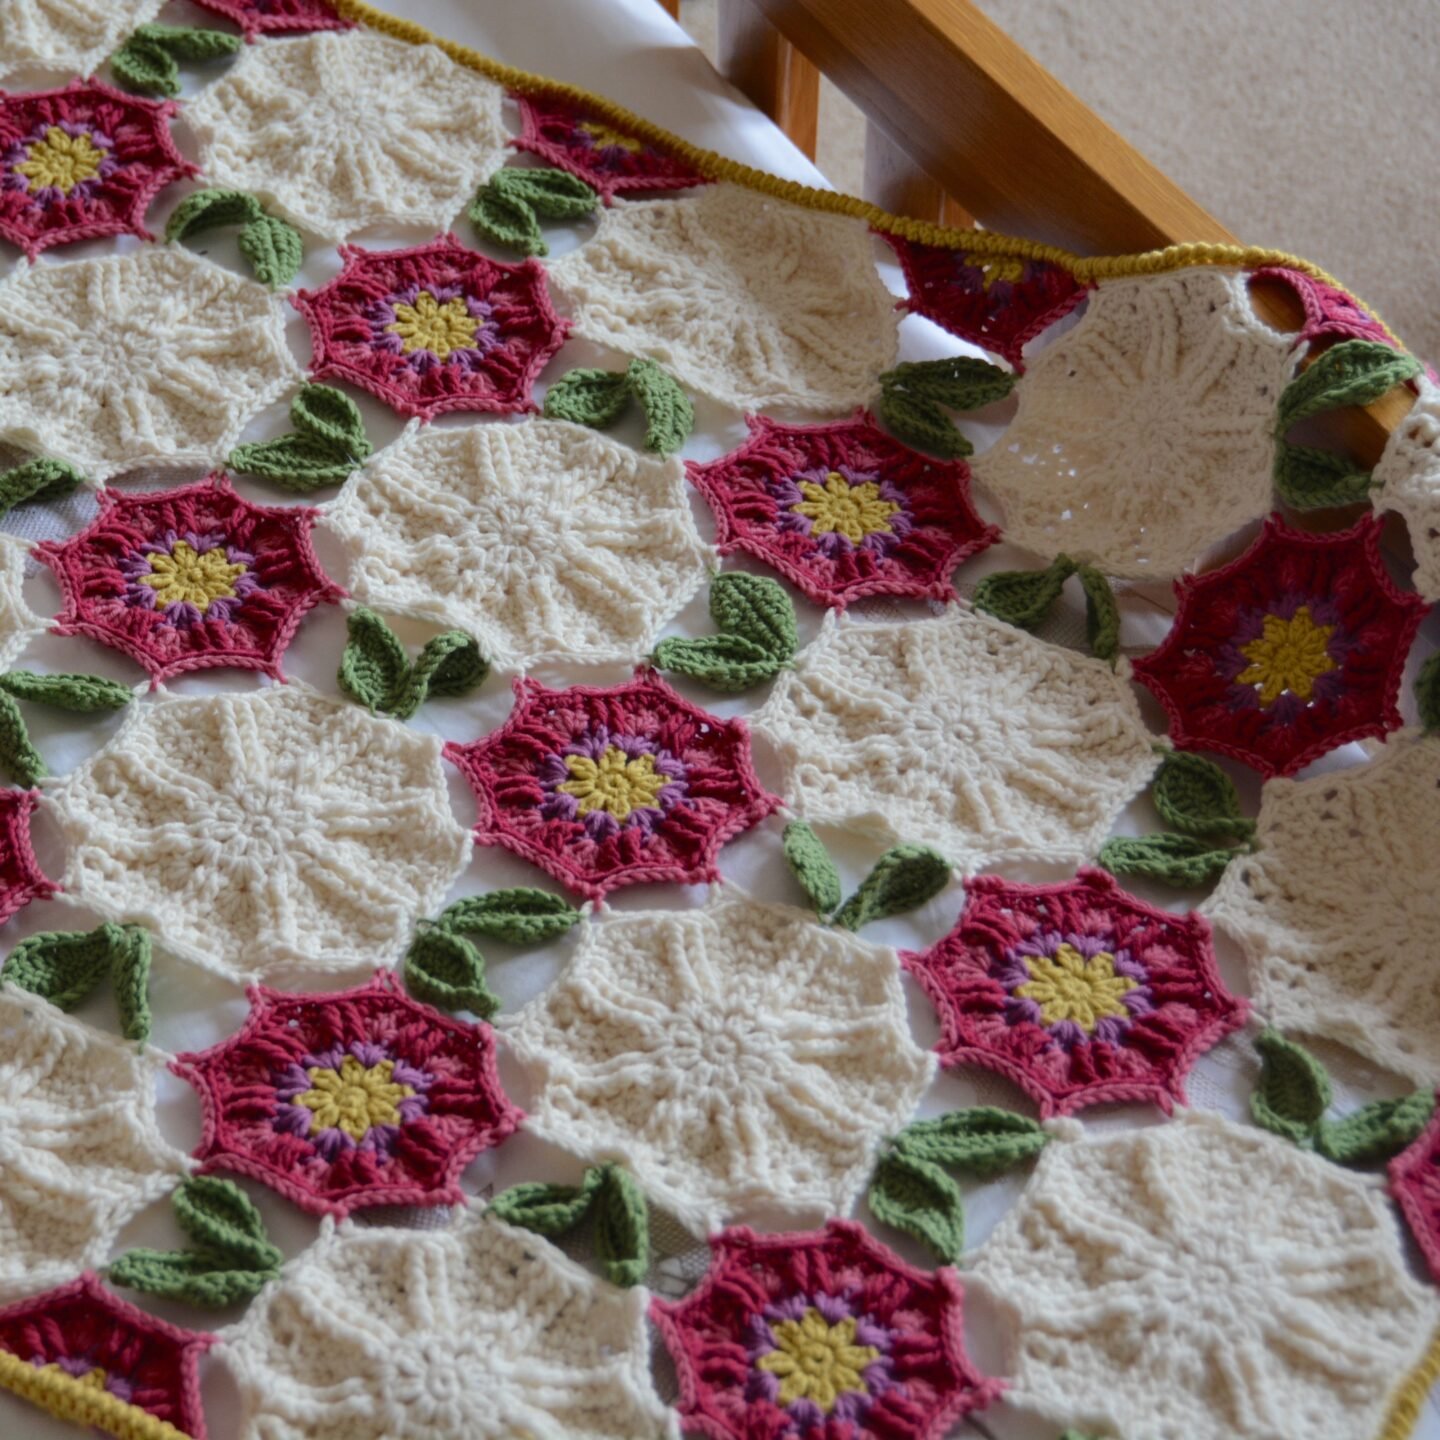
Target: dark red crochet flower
(277, 17)
(360, 1097)
(1291, 650)
(191, 578)
(1415, 1184)
(825, 1335)
(610, 787)
(997, 301)
(21, 879)
(843, 511)
(434, 328)
(1329, 313)
(82, 162)
(1078, 992)
(604, 156)
(84, 1332)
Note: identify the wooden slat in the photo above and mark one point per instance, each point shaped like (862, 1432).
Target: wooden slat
(770, 72)
(672, 7)
(894, 182)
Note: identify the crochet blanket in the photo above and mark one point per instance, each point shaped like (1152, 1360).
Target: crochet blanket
(1011, 707)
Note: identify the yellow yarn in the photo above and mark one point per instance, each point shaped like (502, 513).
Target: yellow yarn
(1410, 1398)
(67, 1398)
(718, 167)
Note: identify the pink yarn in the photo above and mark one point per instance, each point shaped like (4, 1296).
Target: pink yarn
(1329, 313)
(918, 1385)
(106, 570)
(257, 1121)
(930, 527)
(21, 879)
(704, 790)
(127, 146)
(501, 332)
(1415, 1184)
(982, 979)
(277, 17)
(82, 1327)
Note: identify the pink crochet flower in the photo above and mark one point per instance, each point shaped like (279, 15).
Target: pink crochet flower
(1329, 313)
(277, 17)
(610, 787)
(82, 162)
(843, 511)
(1415, 1184)
(83, 1331)
(1294, 649)
(355, 1098)
(1078, 992)
(1000, 302)
(189, 579)
(825, 1335)
(21, 879)
(434, 328)
(605, 157)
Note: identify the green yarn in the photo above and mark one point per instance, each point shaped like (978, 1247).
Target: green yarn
(19, 758)
(82, 694)
(983, 1141)
(595, 398)
(758, 636)
(1309, 479)
(38, 479)
(1375, 1132)
(376, 672)
(917, 1197)
(915, 396)
(723, 662)
(506, 208)
(1195, 796)
(1427, 694)
(508, 223)
(272, 246)
(1354, 372)
(1102, 614)
(548, 1210)
(146, 63)
(1294, 1090)
(328, 445)
(210, 210)
(1180, 860)
(521, 916)
(903, 879)
(812, 866)
(669, 415)
(445, 970)
(65, 966)
(231, 1260)
(598, 398)
(1023, 597)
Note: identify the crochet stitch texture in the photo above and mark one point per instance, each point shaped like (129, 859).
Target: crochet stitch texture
(21, 879)
(71, 35)
(19, 624)
(1407, 481)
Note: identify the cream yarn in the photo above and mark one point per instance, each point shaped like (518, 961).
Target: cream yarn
(343, 130)
(19, 624)
(747, 299)
(478, 1332)
(73, 36)
(959, 732)
(1205, 1281)
(738, 1057)
(542, 539)
(273, 832)
(1407, 480)
(1145, 434)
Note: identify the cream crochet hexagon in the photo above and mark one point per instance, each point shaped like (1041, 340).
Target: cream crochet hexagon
(80, 1153)
(69, 35)
(959, 732)
(1145, 434)
(1332, 913)
(542, 539)
(153, 357)
(19, 624)
(738, 1057)
(268, 833)
(478, 1332)
(745, 298)
(1407, 481)
(343, 130)
(1201, 1281)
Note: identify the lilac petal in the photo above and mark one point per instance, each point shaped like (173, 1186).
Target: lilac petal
(1020, 1011)
(332, 1143)
(412, 1107)
(182, 612)
(560, 806)
(292, 1081)
(806, 1413)
(601, 825)
(834, 1308)
(762, 1385)
(833, 545)
(1111, 1030)
(406, 1074)
(293, 1119)
(368, 1053)
(1067, 1033)
(792, 1308)
(380, 1140)
(330, 1059)
(1089, 946)
(643, 819)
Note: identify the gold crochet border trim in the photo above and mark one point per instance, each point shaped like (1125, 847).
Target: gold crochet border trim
(1412, 1394)
(66, 1398)
(718, 167)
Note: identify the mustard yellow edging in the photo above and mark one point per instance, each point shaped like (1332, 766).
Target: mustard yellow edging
(68, 1398)
(718, 167)
(1410, 1398)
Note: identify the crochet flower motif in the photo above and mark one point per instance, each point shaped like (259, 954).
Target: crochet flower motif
(824, 1334)
(1000, 302)
(277, 17)
(843, 511)
(545, 541)
(69, 35)
(1205, 1279)
(1010, 748)
(1294, 649)
(82, 162)
(435, 328)
(608, 159)
(153, 357)
(1329, 312)
(83, 1337)
(476, 1330)
(273, 832)
(342, 131)
(81, 1150)
(737, 1056)
(358, 1098)
(191, 578)
(1415, 1184)
(21, 879)
(610, 787)
(1078, 992)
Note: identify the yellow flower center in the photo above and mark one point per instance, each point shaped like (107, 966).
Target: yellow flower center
(853, 511)
(60, 161)
(614, 783)
(1009, 268)
(196, 577)
(429, 325)
(817, 1361)
(1067, 986)
(1288, 655)
(606, 137)
(354, 1098)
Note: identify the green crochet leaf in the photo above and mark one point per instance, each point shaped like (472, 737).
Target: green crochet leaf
(507, 222)
(1294, 1090)
(919, 1198)
(521, 916)
(1377, 1131)
(19, 758)
(1427, 693)
(187, 42)
(757, 609)
(373, 665)
(723, 662)
(958, 382)
(669, 415)
(65, 966)
(190, 1276)
(445, 970)
(211, 210)
(82, 694)
(1309, 479)
(450, 664)
(130, 977)
(1024, 597)
(903, 878)
(622, 1229)
(325, 413)
(329, 444)
(144, 67)
(1354, 372)
(220, 1217)
(922, 424)
(596, 398)
(39, 479)
(274, 249)
(555, 194)
(1195, 796)
(812, 866)
(982, 1141)
(549, 1210)
(1180, 860)
(1102, 614)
